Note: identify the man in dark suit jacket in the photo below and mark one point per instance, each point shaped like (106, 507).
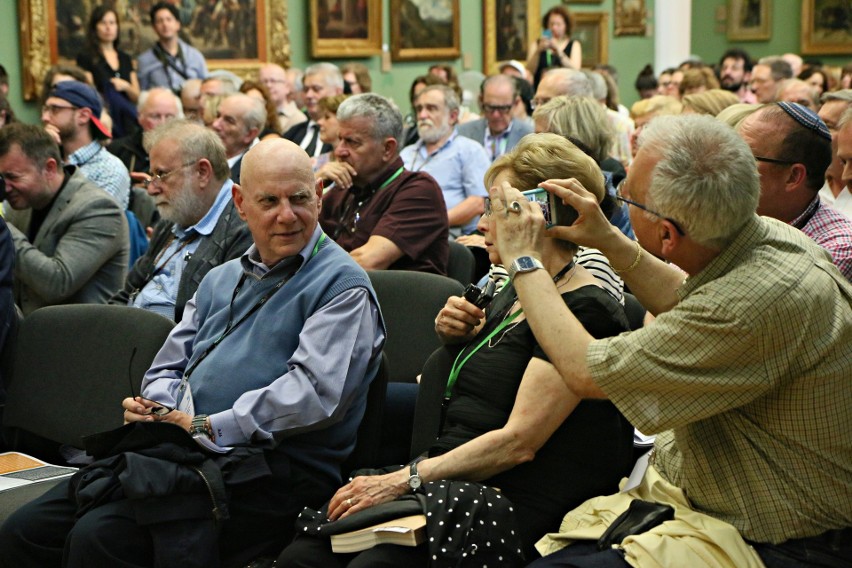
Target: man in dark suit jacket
(497, 132)
(71, 239)
(321, 80)
(239, 120)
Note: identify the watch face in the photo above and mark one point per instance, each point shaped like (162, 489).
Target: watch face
(525, 263)
(415, 481)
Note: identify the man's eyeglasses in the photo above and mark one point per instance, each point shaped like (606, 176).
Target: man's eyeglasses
(502, 109)
(774, 161)
(160, 409)
(158, 178)
(56, 109)
(620, 190)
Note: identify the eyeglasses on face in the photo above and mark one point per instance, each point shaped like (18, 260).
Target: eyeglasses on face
(56, 109)
(502, 109)
(156, 179)
(619, 194)
(774, 161)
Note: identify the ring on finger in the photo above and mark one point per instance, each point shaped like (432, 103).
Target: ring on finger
(515, 207)
(349, 502)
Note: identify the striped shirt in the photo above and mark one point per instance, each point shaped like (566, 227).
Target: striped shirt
(747, 380)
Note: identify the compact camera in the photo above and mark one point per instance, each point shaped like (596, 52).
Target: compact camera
(555, 212)
(480, 297)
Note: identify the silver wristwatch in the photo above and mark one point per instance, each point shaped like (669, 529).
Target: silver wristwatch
(524, 264)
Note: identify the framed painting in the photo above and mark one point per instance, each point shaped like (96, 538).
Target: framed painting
(509, 26)
(749, 20)
(346, 28)
(630, 17)
(827, 27)
(423, 30)
(53, 31)
(592, 31)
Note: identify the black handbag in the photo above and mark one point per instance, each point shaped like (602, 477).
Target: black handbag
(640, 516)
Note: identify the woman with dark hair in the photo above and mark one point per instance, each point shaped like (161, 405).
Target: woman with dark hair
(816, 77)
(646, 84)
(110, 69)
(555, 48)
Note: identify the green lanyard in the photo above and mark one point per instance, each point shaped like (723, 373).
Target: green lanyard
(454, 373)
(390, 179)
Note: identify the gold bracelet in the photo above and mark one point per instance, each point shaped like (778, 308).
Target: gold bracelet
(635, 261)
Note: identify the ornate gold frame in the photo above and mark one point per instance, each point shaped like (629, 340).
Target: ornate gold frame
(38, 42)
(599, 22)
(838, 44)
(625, 25)
(738, 32)
(399, 53)
(348, 47)
(489, 32)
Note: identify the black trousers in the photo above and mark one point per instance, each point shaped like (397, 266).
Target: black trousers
(310, 552)
(45, 532)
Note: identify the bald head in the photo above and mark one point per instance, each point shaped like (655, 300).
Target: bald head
(274, 156)
(156, 106)
(274, 77)
(557, 82)
(279, 199)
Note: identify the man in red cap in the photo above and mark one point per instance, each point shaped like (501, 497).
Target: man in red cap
(71, 115)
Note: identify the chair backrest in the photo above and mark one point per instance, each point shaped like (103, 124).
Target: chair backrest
(367, 448)
(410, 301)
(73, 366)
(634, 310)
(462, 264)
(430, 397)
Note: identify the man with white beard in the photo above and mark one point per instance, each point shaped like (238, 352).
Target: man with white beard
(200, 227)
(457, 163)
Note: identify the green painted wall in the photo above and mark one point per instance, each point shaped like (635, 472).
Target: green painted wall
(627, 54)
(710, 41)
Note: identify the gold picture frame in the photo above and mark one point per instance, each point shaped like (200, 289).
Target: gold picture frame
(418, 38)
(515, 32)
(630, 18)
(749, 20)
(591, 29)
(346, 28)
(41, 48)
(820, 34)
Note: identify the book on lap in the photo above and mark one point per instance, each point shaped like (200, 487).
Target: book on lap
(405, 531)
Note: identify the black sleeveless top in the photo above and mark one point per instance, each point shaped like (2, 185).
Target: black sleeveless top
(542, 62)
(585, 457)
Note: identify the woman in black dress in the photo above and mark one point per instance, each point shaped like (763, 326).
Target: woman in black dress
(110, 69)
(555, 48)
(511, 422)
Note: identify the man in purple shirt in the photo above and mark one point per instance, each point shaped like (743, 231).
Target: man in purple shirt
(250, 365)
(792, 147)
